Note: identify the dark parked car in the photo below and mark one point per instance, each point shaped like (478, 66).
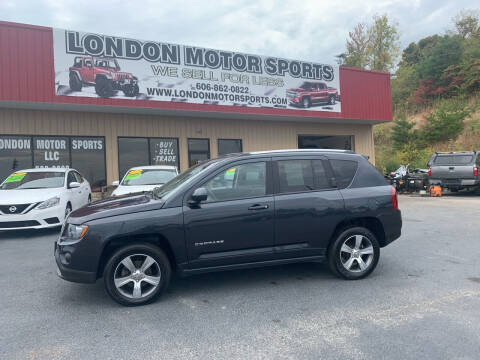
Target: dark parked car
(238, 211)
(455, 170)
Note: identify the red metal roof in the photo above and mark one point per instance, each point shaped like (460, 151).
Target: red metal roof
(27, 75)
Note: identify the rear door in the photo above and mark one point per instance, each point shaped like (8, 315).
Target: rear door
(236, 223)
(308, 206)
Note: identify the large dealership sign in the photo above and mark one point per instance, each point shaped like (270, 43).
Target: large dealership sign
(93, 65)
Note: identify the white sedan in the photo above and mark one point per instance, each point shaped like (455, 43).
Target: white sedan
(41, 198)
(144, 178)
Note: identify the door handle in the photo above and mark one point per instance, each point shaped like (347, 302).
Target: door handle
(258, 207)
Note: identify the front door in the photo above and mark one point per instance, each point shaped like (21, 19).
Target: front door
(307, 206)
(236, 222)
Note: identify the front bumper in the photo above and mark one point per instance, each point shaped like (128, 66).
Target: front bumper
(70, 274)
(34, 219)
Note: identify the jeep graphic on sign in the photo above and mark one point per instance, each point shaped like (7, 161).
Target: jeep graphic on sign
(310, 93)
(103, 73)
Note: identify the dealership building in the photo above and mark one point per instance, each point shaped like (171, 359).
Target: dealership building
(102, 104)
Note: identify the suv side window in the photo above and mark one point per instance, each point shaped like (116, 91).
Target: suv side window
(238, 182)
(321, 176)
(344, 171)
(295, 176)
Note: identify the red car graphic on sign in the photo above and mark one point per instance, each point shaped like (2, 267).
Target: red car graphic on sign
(310, 93)
(104, 74)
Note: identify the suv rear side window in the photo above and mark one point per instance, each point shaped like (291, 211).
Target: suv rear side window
(344, 171)
(295, 176)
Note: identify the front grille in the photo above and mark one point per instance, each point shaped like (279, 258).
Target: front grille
(18, 224)
(18, 208)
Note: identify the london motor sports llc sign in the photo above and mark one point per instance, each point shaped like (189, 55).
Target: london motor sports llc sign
(93, 65)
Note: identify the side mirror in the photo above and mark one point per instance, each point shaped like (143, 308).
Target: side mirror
(199, 195)
(116, 183)
(74, 185)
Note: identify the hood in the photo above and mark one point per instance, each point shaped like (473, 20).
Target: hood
(26, 196)
(123, 190)
(118, 205)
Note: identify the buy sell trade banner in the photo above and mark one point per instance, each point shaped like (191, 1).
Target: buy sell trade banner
(94, 65)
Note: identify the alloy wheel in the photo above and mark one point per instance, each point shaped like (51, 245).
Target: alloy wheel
(357, 253)
(137, 276)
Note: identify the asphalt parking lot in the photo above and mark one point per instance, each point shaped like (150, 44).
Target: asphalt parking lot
(422, 302)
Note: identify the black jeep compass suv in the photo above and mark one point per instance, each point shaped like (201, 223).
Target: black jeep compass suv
(237, 211)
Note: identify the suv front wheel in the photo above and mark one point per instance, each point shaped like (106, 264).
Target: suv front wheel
(137, 274)
(354, 253)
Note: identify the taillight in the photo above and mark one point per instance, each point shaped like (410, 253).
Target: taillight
(429, 172)
(475, 171)
(394, 198)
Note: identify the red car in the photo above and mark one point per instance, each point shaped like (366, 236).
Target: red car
(310, 93)
(104, 74)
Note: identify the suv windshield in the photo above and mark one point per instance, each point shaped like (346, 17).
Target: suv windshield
(182, 179)
(148, 177)
(34, 180)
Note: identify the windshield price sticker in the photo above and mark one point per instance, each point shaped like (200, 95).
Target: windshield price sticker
(17, 177)
(133, 174)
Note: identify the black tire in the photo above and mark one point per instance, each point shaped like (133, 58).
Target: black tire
(331, 100)
(74, 82)
(131, 90)
(103, 87)
(134, 250)
(306, 102)
(336, 256)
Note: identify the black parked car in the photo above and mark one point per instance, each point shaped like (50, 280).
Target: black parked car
(238, 211)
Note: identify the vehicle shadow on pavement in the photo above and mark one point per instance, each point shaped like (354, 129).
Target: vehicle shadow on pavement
(249, 278)
(28, 234)
(226, 282)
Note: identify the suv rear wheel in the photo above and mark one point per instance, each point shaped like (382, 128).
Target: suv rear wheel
(137, 274)
(354, 253)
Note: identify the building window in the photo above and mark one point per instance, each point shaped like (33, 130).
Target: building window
(51, 151)
(198, 151)
(164, 152)
(88, 157)
(134, 151)
(325, 142)
(85, 154)
(229, 146)
(15, 154)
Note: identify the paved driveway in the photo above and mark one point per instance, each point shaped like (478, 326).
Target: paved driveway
(422, 302)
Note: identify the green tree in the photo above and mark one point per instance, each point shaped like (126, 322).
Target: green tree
(446, 52)
(403, 134)
(467, 24)
(446, 122)
(357, 44)
(383, 44)
(403, 84)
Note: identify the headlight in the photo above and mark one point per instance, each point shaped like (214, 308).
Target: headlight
(49, 203)
(75, 232)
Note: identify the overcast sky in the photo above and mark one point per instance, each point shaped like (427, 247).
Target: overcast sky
(313, 30)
